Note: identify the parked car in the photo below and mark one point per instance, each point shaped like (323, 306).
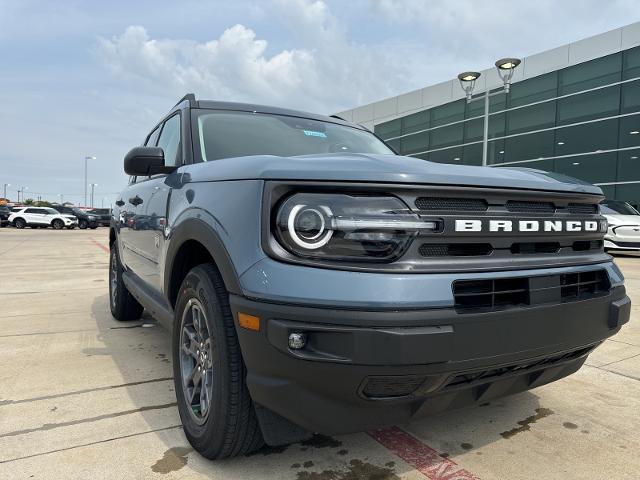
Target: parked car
(624, 225)
(103, 215)
(86, 219)
(42, 217)
(5, 211)
(314, 281)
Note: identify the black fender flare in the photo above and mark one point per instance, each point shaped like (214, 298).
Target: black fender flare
(203, 233)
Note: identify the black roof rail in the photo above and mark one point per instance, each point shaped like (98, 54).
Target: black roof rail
(190, 97)
(338, 117)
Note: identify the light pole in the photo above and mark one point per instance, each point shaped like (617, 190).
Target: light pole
(5, 190)
(93, 185)
(505, 67)
(61, 198)
(22, 190)
(88, 157)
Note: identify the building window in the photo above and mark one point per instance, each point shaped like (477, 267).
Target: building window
(448, 113)
(388, 129)
(589, 137)
(587, 106)
(590, 168)
(595, 73)
(529, 147)
(416, 122)
(534, 90)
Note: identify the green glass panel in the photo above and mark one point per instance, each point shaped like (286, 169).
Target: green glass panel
(528, 147)
(629, 131)
(448, 155)
(628, 165)
(447, 113)
(473, 130)
(387, 129)
(631, 63)
(395, 144)
(533, 89)
(418, 142)
(546, 165)
(589, 105)
(541, 115)
(630, 97)
(415, 122)
(629, 193)
(497, 125)
(472, 154)
(589, 137)
(609, 191)
(495, 152)
(447, 136)
(595, 73)
(597, 168)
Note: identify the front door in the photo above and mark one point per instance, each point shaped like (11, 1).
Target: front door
(151, 196)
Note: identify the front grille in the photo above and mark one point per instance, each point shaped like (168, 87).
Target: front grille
(535, 247)
(583, 208)
(586, 245)
(451, 204)
(530, 207)
(455, 249)
(465, 379)
(503, 293)
(391, 386)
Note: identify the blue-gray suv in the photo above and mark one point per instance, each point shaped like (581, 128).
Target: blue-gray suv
(316, 282)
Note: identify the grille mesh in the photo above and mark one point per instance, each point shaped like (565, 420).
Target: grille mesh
(454, 250)
(454, 204)
(530, 207)
(583, 208)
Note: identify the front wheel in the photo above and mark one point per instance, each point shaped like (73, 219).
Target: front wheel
(20, 223)
(123, 305)
(82, 224)
(57, 224)
(209, 374)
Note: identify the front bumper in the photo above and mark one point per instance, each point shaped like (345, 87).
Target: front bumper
(365, 369)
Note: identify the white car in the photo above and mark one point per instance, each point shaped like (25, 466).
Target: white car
(624, 225)
(43, 217)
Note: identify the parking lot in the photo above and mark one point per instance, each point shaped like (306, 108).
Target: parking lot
(85, 396)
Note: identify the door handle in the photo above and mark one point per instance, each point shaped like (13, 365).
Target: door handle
(135, 200)
(120, 203)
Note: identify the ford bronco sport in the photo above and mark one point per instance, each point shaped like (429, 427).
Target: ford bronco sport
(315, 281)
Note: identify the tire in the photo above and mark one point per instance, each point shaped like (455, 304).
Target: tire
(57, 224)
(123, 305)
(229, 426)
(82, 224)
(20, 223)
(34, 227)
(2, 225)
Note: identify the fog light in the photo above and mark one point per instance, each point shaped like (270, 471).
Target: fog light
(297, 341)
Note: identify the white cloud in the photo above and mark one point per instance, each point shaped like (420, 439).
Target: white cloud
(325, 73)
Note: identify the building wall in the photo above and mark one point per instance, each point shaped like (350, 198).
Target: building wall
(574, 110)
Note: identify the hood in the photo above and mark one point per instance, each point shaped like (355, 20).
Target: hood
(355, 167)
(622, 219)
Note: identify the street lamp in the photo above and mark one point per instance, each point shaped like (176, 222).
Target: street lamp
(93, 185)
(505, 67)
(88, 157)
(5, 190)
(61, 198)
(22, 190)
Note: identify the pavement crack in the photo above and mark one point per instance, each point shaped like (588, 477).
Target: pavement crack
(86, 390)
(51, 426)
(113, 439)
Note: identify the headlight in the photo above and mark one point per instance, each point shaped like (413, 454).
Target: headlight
(91, 217)
(347, 227)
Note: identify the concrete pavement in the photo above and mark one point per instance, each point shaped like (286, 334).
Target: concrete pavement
(85, 396)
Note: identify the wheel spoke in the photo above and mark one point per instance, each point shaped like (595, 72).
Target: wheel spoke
(190, 342)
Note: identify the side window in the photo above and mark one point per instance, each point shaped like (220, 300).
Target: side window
(170, 141)
(153, 138)
(31, 210)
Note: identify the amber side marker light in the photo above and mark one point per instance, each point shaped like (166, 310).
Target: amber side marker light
(248, 321)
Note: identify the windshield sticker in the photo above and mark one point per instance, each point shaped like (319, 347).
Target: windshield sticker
(313, 133)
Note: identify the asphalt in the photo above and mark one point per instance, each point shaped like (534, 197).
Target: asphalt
(84, 396)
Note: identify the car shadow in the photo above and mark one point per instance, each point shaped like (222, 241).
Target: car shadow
(141, 350)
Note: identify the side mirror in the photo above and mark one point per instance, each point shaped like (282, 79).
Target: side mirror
(145, 161)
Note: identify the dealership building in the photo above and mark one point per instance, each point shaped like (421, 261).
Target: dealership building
(574, 110)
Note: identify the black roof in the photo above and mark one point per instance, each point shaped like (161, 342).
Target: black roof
(252, 107)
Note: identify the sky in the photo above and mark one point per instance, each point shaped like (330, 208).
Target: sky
(82, 78)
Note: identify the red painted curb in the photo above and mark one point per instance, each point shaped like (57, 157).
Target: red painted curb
(420, 456)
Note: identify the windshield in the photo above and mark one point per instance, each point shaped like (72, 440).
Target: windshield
(614, 207)
(227, 134)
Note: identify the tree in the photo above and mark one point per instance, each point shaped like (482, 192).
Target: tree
(29, 201)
